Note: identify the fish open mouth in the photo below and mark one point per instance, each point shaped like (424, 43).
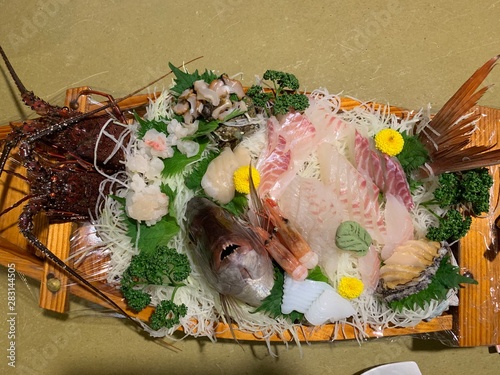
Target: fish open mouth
(227, 250)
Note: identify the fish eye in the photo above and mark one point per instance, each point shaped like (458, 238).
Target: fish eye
(228, 250)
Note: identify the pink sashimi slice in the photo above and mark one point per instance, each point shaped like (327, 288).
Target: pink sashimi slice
(383, 170)
(289, 145)
(291, 142)
(368, 161)
(369, 268)
(396, 182)
(398, 224)
(273, 166)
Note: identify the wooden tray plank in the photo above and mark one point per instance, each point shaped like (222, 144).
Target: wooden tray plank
(53, 297)
(478, 320)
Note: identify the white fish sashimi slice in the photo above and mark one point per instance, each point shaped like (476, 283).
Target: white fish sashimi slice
(383, 170)
(396, 182)
(356, 196)
(368, 162)
(307, 203)
(273, 166)
(329, 127)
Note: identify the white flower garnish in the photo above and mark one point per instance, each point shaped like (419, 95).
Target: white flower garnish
(144, 164)
(145, 202)
(158, 144)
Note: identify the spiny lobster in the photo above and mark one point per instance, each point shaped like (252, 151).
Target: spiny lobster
(58, 150)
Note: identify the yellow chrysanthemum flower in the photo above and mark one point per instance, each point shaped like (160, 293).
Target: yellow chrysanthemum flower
(242, 179)
(350, 287)
(389, 141)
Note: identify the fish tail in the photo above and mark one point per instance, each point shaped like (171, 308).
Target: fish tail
(449, 136)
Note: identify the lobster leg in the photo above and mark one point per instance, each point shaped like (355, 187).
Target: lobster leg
(10, 143)
(115, 108)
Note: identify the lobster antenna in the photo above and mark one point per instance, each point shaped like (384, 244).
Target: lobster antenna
(69, 121)
(13, 73)
(156, 80)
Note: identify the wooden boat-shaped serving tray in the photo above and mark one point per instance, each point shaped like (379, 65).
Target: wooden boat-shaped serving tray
(476, 321)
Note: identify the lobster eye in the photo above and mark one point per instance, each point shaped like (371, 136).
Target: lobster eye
(228, 250)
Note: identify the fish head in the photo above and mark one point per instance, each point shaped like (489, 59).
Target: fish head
(230, 253)
(243, 268)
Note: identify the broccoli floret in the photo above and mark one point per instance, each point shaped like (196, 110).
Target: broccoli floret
(475, 187)
(165, 266)
(468, 192)
(283, 103)
(448, 192)
(470, 189)
(282, 80)
(167, 314)
(137, 300)
(259, 97)
(284, 96)
(452, 226)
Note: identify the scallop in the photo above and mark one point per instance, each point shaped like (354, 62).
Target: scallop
(218, 179)
(318, 301)
(408, 262)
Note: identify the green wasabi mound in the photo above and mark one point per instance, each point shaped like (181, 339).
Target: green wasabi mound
(351, 236)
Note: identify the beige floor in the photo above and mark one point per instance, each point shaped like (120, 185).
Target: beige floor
(405, 53)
